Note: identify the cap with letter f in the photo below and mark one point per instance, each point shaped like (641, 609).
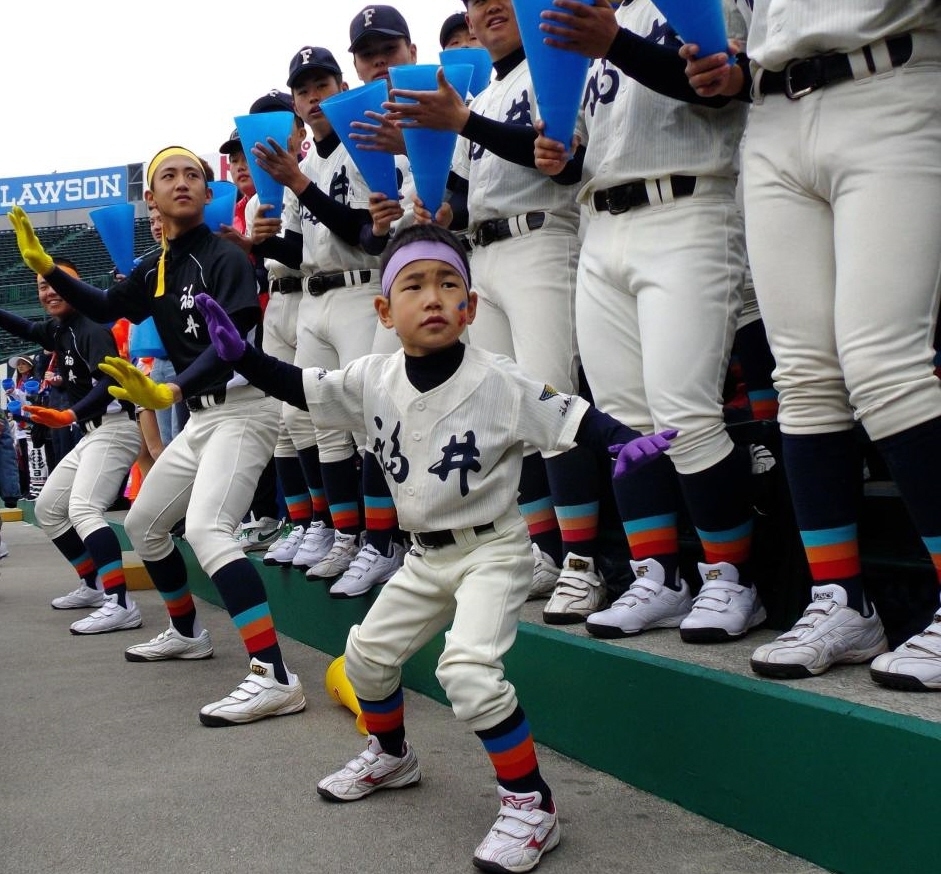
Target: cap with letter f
(312, 58)
(377, 21)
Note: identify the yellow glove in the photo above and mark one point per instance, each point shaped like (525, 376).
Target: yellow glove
(49, 417)
(36, 258)
(133, 386)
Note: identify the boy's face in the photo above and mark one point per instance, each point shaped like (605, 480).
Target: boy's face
(179, 190)
(308, 91)
(156, 224)
(429, 306)
(493, 23)
(461, 38)
(238, 170)
(49, 298)
(375, 54)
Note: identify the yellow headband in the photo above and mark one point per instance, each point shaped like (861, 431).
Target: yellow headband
(169, 152)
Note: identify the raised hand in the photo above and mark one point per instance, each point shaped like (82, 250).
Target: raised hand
(633, 455)
(49, 417)
(226, 340)
(133, 386)
(31, 250)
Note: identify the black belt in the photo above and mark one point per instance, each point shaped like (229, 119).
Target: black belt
(321, 283)
(286, 285)
(802, 76)
(435, 539)
(621, 198)
(94, 423)
(494, 230)
(204, 402)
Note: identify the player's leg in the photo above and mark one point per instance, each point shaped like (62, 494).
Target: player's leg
(820, 452)
(107, 454)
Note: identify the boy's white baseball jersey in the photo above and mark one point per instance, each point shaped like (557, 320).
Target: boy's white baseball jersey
(451, 455)
(659, 285)
(525, 283)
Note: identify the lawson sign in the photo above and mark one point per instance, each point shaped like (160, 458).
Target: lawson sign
(81, 190)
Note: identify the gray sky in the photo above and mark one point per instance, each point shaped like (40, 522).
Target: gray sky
(103, 83)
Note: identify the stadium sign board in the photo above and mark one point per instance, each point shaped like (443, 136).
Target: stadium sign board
(84, 189)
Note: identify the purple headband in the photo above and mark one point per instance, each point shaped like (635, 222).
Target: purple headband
(421, 250)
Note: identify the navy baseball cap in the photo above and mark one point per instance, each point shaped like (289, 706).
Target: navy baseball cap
(458, 21)
(311, 58)
(377, 21)
(273, 101)
(232, 144)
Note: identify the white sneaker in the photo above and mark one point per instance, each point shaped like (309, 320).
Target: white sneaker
(318, 539)
(258, 696)
(723, 609)
(648, 603)
(370, 771)
(339, 558)
(369, 568)
(915, 666)
(170, 644)
(258, 534)
(829, 633)
(83, 596)
(520, 836)
(578, 593)
(110, 616)
(4, 549)
(545, 575)
(283, 550)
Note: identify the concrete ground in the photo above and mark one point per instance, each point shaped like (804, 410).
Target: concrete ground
(105, 767)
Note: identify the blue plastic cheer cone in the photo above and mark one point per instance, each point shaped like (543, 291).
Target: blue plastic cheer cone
(559, 76)
(429, 151)
(697, 21)
(257, 128)
(478, 57)
(115, 226)
(377, 168)
(221, 209)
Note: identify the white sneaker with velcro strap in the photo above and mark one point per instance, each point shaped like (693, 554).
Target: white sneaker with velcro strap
(82, 597)
(578, 593)
(521, 835)
(317, 542)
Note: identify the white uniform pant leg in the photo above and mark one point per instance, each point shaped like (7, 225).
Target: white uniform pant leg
(843, 203)
(526, 306)
(332, 330)
(296, 431)
(658, 298)
(480, 588)
(91, 474)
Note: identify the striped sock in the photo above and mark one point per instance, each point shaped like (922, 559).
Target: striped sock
(535, 504)
(74, 551)
(243, 594)
(313, 475)
(342, 483)
(573, 476)
(169, 578)
(382, 521)
(509, 744)
(386, 720)
(105, 549)
(294, 488)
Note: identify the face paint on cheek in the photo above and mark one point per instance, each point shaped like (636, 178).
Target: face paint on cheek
(462, 313)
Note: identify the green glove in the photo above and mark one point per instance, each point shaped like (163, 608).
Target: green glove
(133, 386)
(36, 258)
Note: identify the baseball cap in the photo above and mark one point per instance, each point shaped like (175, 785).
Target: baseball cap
(377, 21)
(311, 58)
(232, 144)
(273, 101)
(451, 23)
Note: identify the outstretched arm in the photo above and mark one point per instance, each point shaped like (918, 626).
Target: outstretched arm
(629, 450)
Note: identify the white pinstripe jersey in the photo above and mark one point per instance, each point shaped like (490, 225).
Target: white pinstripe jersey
(451, 456)
(633, 133)
(785, 29)
(337, 176)
(498, 188)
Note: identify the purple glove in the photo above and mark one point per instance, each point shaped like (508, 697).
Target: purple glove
(632, 456)
(228, 343)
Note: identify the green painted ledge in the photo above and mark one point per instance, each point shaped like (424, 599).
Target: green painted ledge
(850, 788)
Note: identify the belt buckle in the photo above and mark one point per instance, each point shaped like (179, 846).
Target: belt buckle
(485, 235)
(789, 89)
(315, 285)
(618, 199)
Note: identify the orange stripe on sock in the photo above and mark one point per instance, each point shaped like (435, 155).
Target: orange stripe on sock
(378, 723)
(734, 552)
(657, 541)
(381, 518)
(264, 639)
(345, 519)
(515, 763)
(840, 569)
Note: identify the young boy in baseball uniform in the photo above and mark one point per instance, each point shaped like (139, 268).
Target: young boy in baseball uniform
(448, 423)
(70, 508)
(209, 471)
